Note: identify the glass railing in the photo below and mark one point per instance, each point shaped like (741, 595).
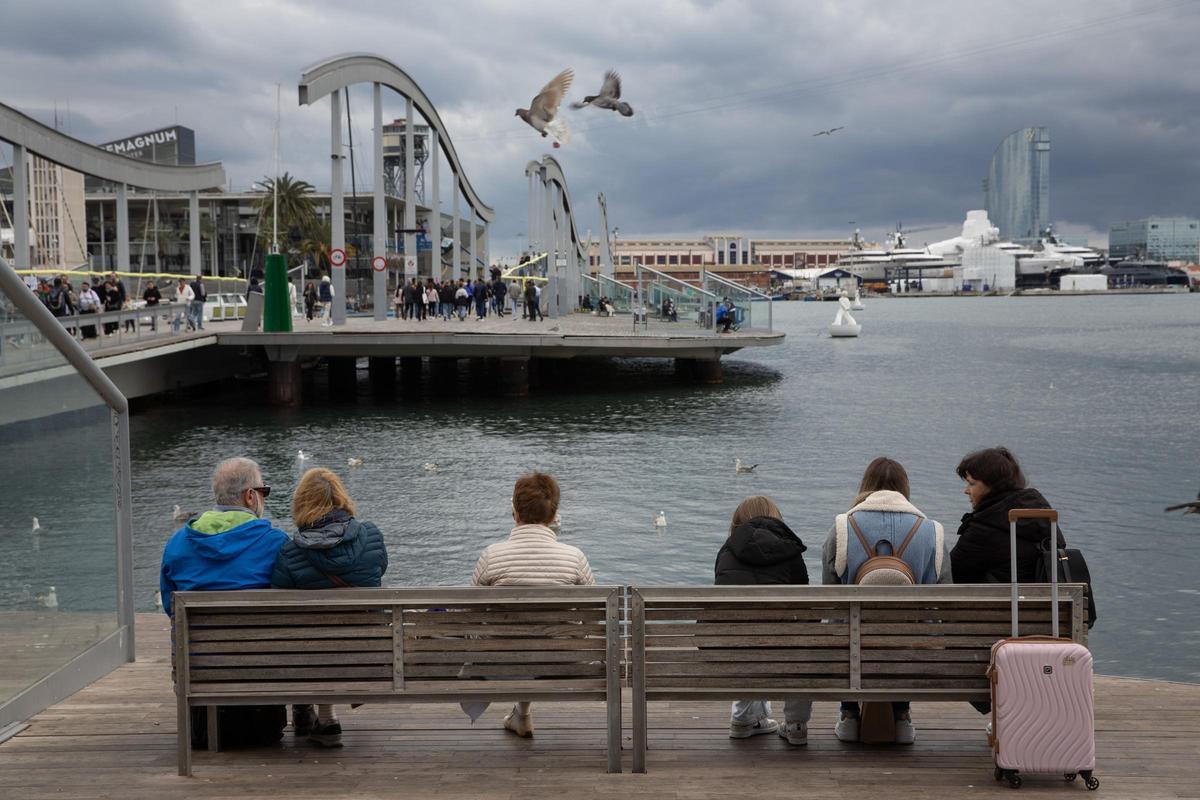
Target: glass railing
(670, 299)
(65, 583)
(618, 294)
(750, 307)
(589, 292)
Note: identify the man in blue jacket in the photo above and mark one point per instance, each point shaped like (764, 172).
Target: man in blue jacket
(229, 547)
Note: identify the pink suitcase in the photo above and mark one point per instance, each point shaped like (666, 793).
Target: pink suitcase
(1042, 708)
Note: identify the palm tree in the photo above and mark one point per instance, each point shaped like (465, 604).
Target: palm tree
(318, 245)
(297, 212)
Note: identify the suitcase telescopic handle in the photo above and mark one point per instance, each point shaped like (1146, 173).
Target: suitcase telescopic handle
(1051, 515)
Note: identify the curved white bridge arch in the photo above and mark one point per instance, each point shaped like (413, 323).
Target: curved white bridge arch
(28, 136)
(552, 229)
(328, 78)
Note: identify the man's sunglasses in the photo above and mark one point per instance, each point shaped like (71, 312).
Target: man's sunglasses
(265, 491)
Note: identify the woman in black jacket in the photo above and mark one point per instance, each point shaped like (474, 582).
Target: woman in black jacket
(761, 549)
(995, 484)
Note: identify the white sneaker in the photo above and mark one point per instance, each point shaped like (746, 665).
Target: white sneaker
(846, 729)
(905, 732)
(796, 733)
(764, 725)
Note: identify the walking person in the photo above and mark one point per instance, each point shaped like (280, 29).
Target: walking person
(398, 299)
(763, 550)
(112, 302)
(481, 294)
(199, 296)
(532, 556)
(446, 296)
(531, 301)
(431, 299)
(183, 297)
(310, 300)
(462, 299)
(153, 297)
(325, 294)
(89, 303)
(331, 550)
(883, 522)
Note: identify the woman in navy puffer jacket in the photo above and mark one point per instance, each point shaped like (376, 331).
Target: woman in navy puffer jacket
(331, 549)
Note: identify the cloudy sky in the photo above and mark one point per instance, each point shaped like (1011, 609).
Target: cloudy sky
(727, 96)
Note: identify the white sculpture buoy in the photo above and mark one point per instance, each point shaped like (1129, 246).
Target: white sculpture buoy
(857, 305)
(844, 325)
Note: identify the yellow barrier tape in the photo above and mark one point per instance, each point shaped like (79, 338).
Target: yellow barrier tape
(510, 273)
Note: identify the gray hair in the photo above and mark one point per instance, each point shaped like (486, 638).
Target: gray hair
(232, 477)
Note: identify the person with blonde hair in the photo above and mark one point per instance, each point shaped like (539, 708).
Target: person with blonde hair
(331, 550)
(882, 522)
(762, 549)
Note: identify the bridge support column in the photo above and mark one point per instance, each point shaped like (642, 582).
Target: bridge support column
(122, 228)
(379, 214)
(337, 207)
(700, 370)
(284, 383)
(21, 258)
(343, 377)
(382, 370)
(410, 200)
(410, 372)
(514, 377)
(435, 208)
(456, 248)
(195, 267)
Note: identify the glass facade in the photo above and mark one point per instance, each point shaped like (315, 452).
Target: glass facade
(1157, 239)
(1016, 191)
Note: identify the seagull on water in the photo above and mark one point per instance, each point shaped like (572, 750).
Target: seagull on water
(302, 456)
(740, 468)
(179, 515)
(158, 601)
(661, 520)
(353, 462)
(429, 466)
(49, 599)
(37, 526)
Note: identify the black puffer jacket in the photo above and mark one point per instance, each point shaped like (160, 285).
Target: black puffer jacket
(762, 550)
(981, 555)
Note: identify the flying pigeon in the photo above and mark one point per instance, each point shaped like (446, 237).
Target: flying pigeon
(1187, 508)
(541, 112)
(830, 132)
(609, 97)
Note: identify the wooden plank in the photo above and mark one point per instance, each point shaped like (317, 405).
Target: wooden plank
(923, 669)
(493, 616)
(504, 657)
(746, 655)
(472, 645)
(736, 682)
(818, 668)
(263, 688)
(892, 614)
(409, 598)
(903, 684)
(324, 632)
(767, 614)
(301, 619)
(183, 720)
(746, 629)
(855, 645)
(654, 642)
(460, 671)
(935, 628)
(980, 655)
(663, 596)
(332, 673)
(929, 642)
(612, 687)
(566, 685)
(288, 659)
(637, 673)
(398, 648)
(293, 646)
(567, 629)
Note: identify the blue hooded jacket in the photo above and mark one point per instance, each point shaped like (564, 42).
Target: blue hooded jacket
(221, 549)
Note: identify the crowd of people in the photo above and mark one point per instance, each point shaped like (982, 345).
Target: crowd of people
(60, 296)
(233, 546)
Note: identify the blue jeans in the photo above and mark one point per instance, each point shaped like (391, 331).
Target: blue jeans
(196, 314)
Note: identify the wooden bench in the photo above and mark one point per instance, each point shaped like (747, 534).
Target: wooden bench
(429, 645)
(827, 642)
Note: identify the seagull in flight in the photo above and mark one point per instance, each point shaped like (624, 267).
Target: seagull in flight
(831, 131)
(1187, 508)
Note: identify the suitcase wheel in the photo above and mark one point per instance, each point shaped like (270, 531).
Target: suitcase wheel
(1069, 777)
(1090, 781)
(1014, 781)
(1010, 775)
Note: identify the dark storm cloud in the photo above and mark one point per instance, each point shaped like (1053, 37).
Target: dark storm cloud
(727, 97)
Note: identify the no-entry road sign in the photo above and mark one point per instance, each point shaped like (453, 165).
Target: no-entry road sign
(337, 257)
(379, 263)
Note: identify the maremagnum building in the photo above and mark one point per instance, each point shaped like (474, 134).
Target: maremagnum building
(1016, 191)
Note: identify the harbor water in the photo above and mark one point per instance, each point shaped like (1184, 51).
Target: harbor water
(1098, 396)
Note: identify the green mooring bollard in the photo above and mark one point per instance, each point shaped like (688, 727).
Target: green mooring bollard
(277, 311)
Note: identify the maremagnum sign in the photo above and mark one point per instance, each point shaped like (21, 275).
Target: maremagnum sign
(174, 145)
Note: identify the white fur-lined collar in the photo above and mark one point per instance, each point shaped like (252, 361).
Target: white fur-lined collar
(886, 501)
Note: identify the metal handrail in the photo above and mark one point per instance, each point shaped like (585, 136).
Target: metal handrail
(49, 326)
(687, 286)
(734, 285)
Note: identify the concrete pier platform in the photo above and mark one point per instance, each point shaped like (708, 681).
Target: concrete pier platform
(116, 738)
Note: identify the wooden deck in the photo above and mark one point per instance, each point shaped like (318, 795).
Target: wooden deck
(117, 739)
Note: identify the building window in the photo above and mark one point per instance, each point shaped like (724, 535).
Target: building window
(662, 260)
(672, 259)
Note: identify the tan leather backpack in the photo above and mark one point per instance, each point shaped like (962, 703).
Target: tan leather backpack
(884, 570)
